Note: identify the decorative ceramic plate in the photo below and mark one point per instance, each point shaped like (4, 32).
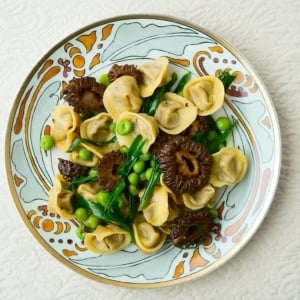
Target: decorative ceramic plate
(135, 39)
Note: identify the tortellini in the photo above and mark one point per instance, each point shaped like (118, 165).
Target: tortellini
(229, 167)
(200, 199)
(147, 237)
(65, 125)
(175, 113)
(207, 93)
(60, 199)
(96, 129)
(143, 124)
(155, 74)
(122, 95)
(157, 211)
(107, 239)
(89, 190)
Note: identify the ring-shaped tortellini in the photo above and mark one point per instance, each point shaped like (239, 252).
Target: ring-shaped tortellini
(155, 73)
(121, 95)
(229, 167)
(107, 239)
(60, 199)
(143, 124)
(207, 93)
(96, 129)
(200, 199)
(147, 237)
(175, 113)
(65, 125)
(157, 211)
(89, 190)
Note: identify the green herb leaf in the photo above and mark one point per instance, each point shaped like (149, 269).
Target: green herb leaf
(103, 214)
(226, 78)
(215, 144)
(78, 141)
(182, 82)
(220, 139)
(134, 150)
(151, 103)
(155, 175)
(76, 182)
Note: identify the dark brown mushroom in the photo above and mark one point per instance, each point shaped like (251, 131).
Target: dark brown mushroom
(84, 94)
(117, 71)
(70, 170)
(200, 125)
(192, 228)
(108, 176)
(185, 164)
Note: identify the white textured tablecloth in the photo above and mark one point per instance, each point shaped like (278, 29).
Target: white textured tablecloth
(268, 35)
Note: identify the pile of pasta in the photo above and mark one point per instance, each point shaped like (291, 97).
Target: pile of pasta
(123, 99)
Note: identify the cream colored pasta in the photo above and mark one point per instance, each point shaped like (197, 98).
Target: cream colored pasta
(229, 167)
(207, 93)
(200, 199)
(144, 125)
(107, 239)
(157, 211)
(155, 73)
(148, 237)
(96, 128)
(177, 199)
(89, 190)
(122, 95)
(65, 125)
(175, 113)
(123, 100)
(60, 199)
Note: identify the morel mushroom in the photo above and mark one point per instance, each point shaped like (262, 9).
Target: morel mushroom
(117, 71)
(191, 228)
(70, 170)
(185, 164)
(84, 94)
(108, 176)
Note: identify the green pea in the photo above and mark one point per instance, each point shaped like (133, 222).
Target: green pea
(148, 173)
(46, 142)
(142, 176)
(103, 197)
(81, 214)
(92, 222)
(103, 79)
(84, 154)
(223, 123)
(124, 149)
(133, 178)
(133, 190)
(93, 172)
(80, 232)
(145, 156)
(139, 166)
(124, 127)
